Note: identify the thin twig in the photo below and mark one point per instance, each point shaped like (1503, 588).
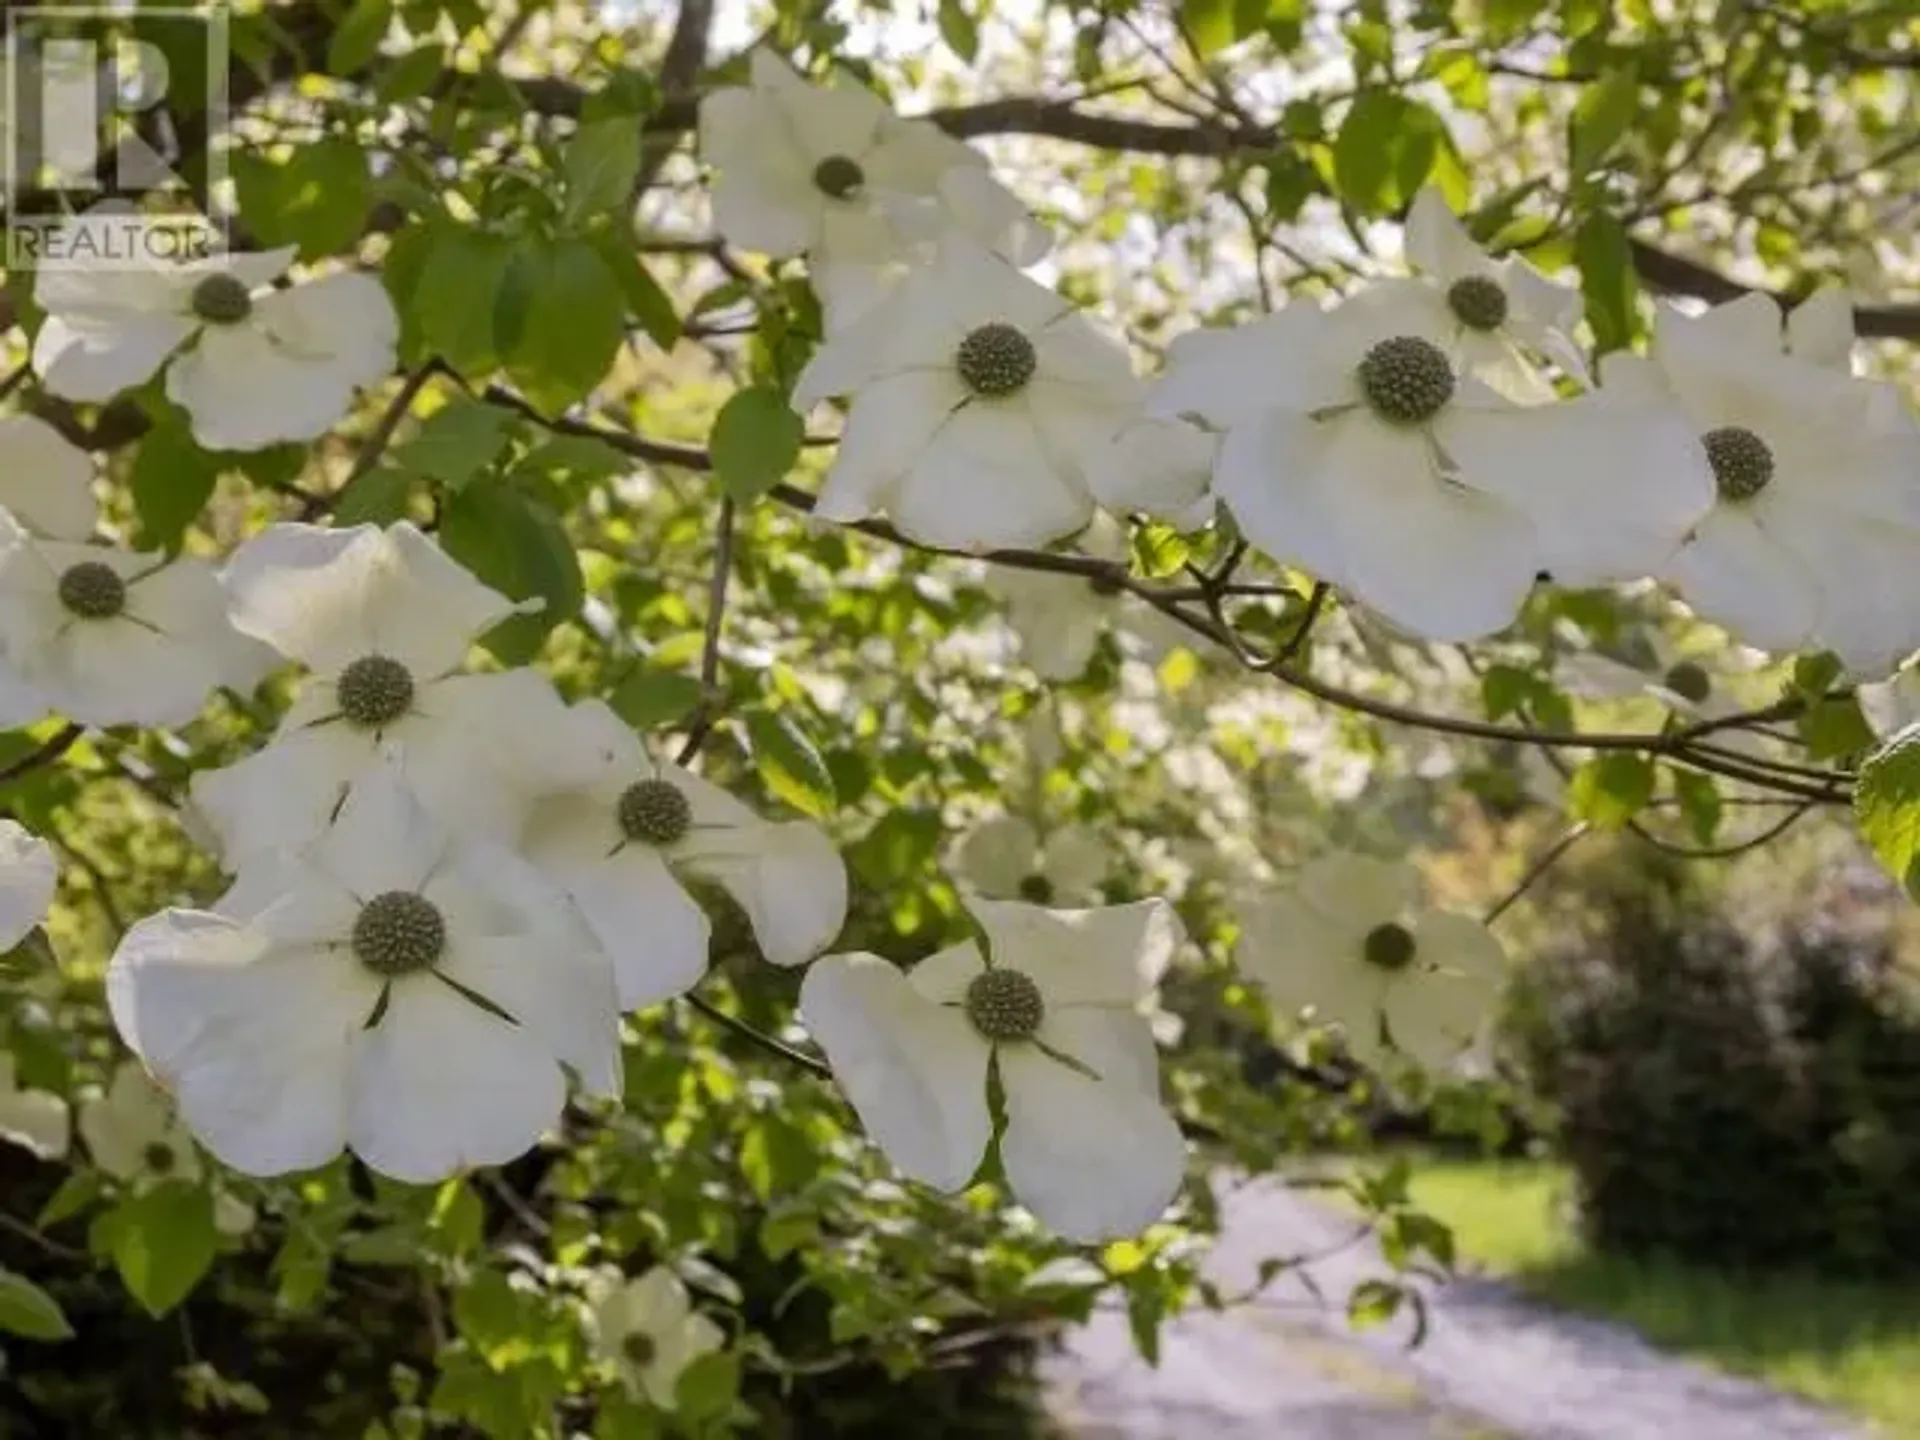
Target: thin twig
(48, 751)
(1548, 859)
(759, 1037)
(702, 724)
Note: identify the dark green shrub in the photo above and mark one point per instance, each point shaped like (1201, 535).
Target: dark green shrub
(1738, 1095)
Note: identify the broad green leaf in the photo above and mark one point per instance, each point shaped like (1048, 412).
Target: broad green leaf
(789, 763)
(1373, 1303)
(1886, 802)
(601, 167)
(1208, 25)
(1607, 281)
(378, 497)
(317, 199)
(28, 1311)
(708, 1387)
(570, 324)
(163, 1242)
(76, 1192)
(1601, 118)
(648, 699)
(1386, 148)
(1834, 728)
(647, 303)
(457, 442)
(960, 30)
(460, 274)
(516, 544)
(356, 39)
(755, 441)
(171, 481)
(1699, 797)
(1611, 789)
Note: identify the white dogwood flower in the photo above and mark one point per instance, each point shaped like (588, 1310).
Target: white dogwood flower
(1814, 541)
(404, 994)
(1349, 938)
(829, 172)
(35, 1120)
(1891, 705)
(46, 482)
(1056, 1005)
(1501, 313)
(617, 829)
(28, 878)
(1355, 449)
(251, 365)
(383, 620)
(104, 636)
(133, 1134)
(979, 397)
(650, 1332)
(1006, 858)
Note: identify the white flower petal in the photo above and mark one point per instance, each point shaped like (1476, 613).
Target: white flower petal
(986, 482)
(915, 1070)
(328, 597)
(1160, 466)
(441, 1085)
(37, 1121)
(46, 482)
(1437, 243)
(1112, 955)
(890, 426)
(1077, 860)
(558, 984)
(996, 855)
(284, 796)
(1736, 572)
(654, 932)
(29, 877)
(1093, 1160)
(78, 358)
(787, 877)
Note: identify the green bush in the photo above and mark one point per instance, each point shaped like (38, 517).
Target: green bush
(1740, 1095)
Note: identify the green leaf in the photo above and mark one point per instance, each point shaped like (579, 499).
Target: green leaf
(1611, 789)
(318, 199)
(1208, 25)
(460, 275)
(28, 1311)
(755, 441)
(456, 442)
(648, 699)
(789, 763)
(356, 39)
(959, 30)
(1699, 797)
(1386, 148)
(516, 544)
(1834, 728)
(1374, 1302)
(1607, 281)
(76, 1192)
(1158, 550)
(647, 303)
(1601, 117)
(377, 497)
(171, 481)
(601, 167)
(163, 1242)
(708, 1387)
(1814, 675)
(570, 324)
(1886, 802)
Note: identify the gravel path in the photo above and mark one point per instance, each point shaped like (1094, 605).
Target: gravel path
(1494, 1366)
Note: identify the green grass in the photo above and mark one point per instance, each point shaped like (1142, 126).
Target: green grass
(1851, 1344)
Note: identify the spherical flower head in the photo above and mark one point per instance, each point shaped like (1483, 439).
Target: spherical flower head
(222, 299)
(640, 1348)
(1406, 380)
(1690, 681)
(996, 360)
(654, 812)
(399, 933)
(1389, 947)
(158, 1157)
(1742, 462)
(1036, 889)
(92, 591)
(375, 690)
(839, 177)
(1005, 1005)
(1478, 302)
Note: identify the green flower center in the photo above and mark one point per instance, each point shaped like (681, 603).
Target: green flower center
(639, 1349)
(996, 360)
(399, 933)
(838, 177)
(1388, 947)
(158, 1158)
(93, 591)
(375, 690)
(1478, 303)
(1036, 889)
(1742, 462)
(1005, 1005)
(222, 299)
(654, 812)
(1689, 681)
(1406, 380)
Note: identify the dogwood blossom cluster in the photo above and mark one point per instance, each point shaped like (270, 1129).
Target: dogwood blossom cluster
(448, 884)
(1434, 446)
